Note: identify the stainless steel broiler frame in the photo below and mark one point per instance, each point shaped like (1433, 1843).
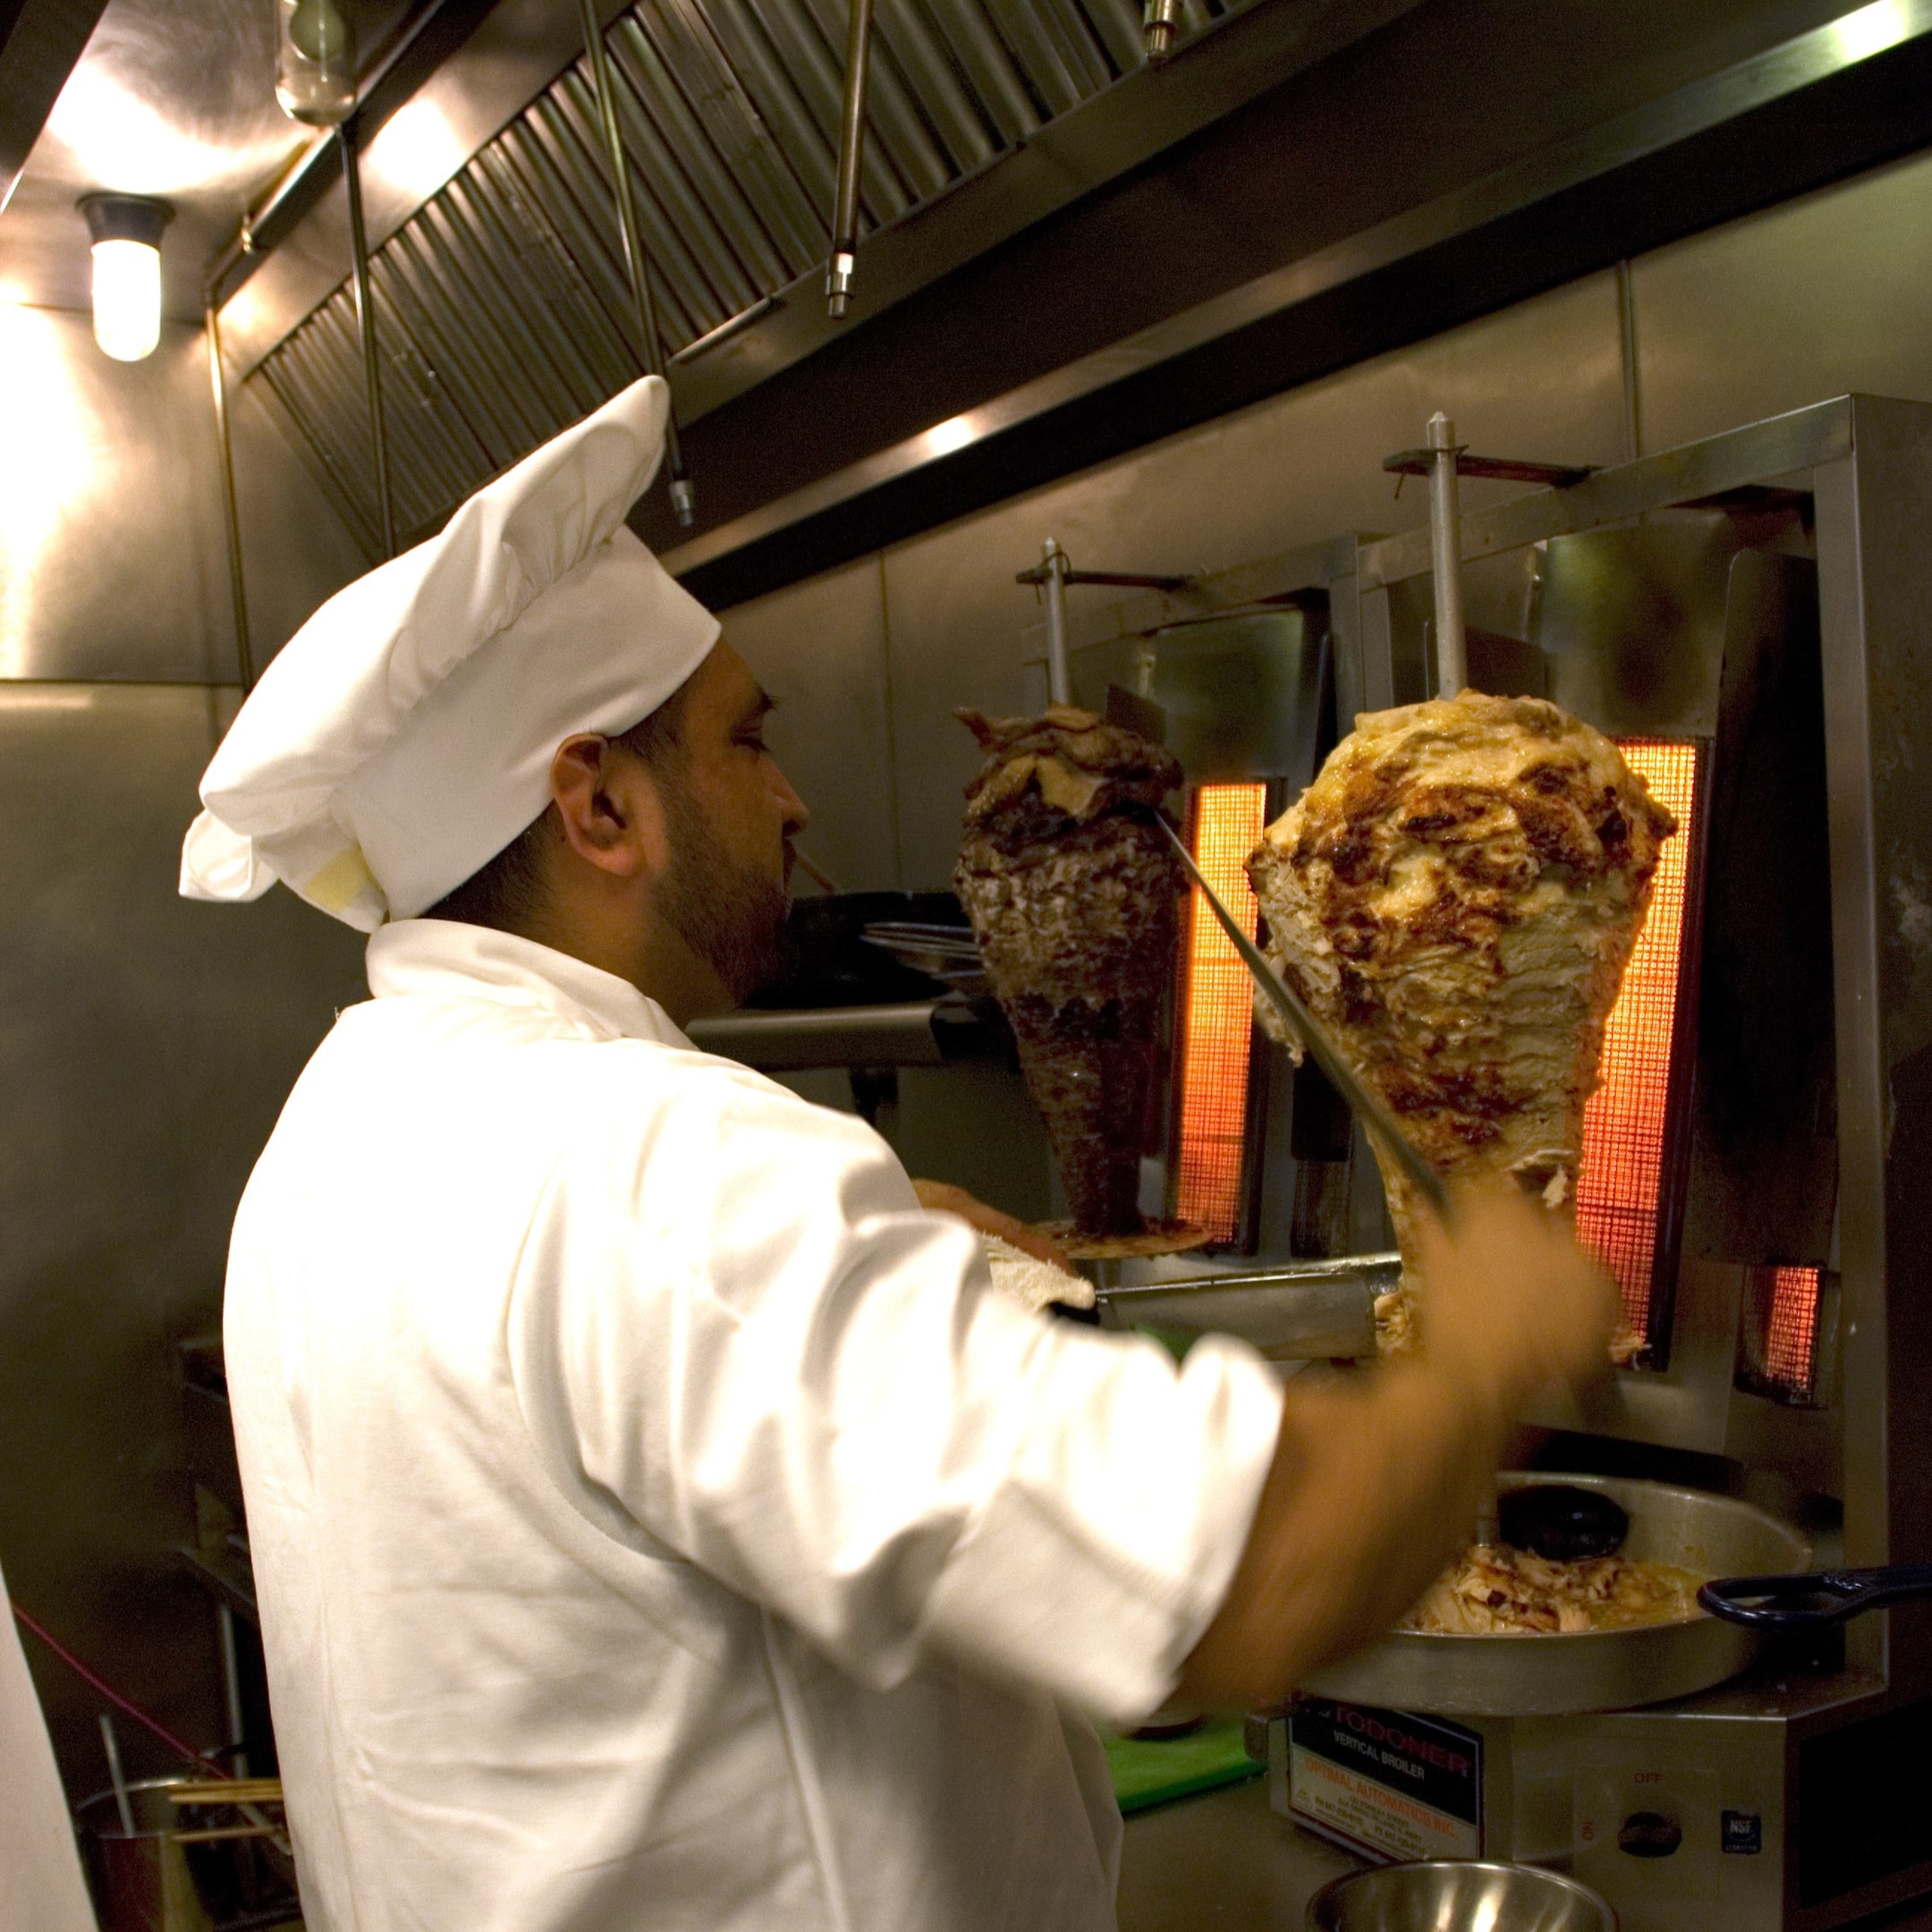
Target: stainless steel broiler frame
(1788, 1750)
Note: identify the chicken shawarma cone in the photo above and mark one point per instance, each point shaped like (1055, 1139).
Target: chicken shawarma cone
(1456, 896)
(1072, 895)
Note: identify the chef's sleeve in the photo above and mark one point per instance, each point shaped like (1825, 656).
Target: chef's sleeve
(795, 1379)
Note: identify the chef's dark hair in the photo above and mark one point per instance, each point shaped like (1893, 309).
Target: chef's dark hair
(505, 892)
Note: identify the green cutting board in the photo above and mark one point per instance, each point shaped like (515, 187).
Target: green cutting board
(1149, 1771)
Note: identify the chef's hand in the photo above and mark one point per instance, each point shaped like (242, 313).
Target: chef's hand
(1509, 1302)
(940, 1197)
(1377, 1477)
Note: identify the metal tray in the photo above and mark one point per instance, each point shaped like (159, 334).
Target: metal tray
(1555, 1675)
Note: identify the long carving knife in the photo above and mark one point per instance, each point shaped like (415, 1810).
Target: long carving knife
(1307, 1028)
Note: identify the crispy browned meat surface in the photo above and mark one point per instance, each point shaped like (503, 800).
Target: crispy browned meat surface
(1072, 893)
(1457, 895)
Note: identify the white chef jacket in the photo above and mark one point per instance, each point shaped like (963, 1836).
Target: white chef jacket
(658, 1519)
(40, 1885)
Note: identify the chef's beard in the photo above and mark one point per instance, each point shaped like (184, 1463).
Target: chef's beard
(730, 914)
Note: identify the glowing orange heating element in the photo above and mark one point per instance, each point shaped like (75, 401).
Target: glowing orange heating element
(1619, 1188)
(1791, 1334)
(1218, 1011)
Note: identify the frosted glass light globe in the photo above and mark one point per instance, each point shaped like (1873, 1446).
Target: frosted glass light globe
(127, 299)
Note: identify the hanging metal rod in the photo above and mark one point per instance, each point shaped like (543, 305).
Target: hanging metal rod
(851, 152)
(365, 305)
(637, 267)
(1053, 574)
(1160, 23)
(231, 509)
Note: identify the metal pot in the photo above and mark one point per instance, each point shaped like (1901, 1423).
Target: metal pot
(1559, 1675)
(1455, 1896)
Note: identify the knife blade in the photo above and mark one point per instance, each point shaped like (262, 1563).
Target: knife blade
(1368, 1106)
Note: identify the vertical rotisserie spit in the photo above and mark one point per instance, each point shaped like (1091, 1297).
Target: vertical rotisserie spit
(1072, 895)
(1457, 895)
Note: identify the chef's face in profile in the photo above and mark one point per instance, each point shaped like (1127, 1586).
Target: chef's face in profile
(731, 816)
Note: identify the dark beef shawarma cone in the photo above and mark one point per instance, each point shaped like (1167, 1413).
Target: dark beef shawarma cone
(1073, 891)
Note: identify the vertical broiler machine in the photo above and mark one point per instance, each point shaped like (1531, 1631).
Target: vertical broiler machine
(1751, 618)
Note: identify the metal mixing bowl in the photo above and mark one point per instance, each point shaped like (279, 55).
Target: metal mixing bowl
(1452, 1895)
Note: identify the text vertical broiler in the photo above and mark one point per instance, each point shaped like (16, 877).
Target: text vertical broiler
(1456, 895)
(1072, 893)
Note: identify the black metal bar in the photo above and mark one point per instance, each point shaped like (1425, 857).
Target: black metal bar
(1498, 468)
(1126, 580)
(727, 330)
(231, 509)
(637, 267)
(365, 306)
(851, 149)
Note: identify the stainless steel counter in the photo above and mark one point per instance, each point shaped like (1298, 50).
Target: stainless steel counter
(1223, 1859)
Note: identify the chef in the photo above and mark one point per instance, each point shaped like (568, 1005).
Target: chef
(658, 1519)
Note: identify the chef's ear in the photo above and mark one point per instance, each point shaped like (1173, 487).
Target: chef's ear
(610, 811)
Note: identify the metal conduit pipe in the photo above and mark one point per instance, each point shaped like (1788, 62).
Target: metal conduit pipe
(365, 305)
(851, 150)
(231, 508)
(637, 268)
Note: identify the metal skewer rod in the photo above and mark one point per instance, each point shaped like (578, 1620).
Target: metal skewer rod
(365, 306)
(1445, 546)
(636, 265)
(1054, 580)
(851, 153)
(115, 1776)
(1314, 1036)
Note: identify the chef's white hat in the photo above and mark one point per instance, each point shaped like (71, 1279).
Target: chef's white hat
(404, 736)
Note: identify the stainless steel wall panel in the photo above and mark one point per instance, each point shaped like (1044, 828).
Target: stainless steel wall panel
(1541, 379)
(1822, 295)
(821, 652)
(147, 1046)
(111, 558)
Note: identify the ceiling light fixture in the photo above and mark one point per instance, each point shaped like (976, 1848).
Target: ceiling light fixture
(315, 61)
(126, 231)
